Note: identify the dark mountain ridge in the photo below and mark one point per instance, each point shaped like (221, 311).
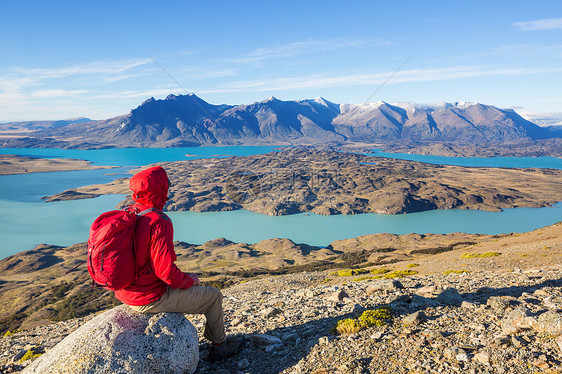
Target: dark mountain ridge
(187, 120)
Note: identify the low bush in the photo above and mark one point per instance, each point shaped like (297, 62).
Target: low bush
(480, 255)
(32, 353)
(349, 272)
(447, 272)
(369, 318)
(380, 271)
(10, 333)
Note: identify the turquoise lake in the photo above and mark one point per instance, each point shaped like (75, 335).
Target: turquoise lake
(27, 221)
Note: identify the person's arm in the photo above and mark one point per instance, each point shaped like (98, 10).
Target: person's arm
(163, 257)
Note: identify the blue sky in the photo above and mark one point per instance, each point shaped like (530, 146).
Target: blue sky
(64, 59)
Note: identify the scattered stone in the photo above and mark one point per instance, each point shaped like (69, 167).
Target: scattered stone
(243, 364)
(271, 311)
(466, 337)
(502, 340)
(550, 322)
(338, 296)
(482, 358)
(517, 341)
(468, 305)
(541, 364)
(462, 356)
(263, 340)
(384, 285)
(518, 320)
(428, 290)
(449, 297)
(415, 318)
(498, 303)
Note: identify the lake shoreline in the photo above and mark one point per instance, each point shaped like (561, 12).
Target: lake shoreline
(15, 164)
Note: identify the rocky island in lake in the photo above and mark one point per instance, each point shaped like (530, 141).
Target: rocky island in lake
(297, 180)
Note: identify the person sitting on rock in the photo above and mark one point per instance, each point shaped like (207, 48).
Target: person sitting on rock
(161, 286)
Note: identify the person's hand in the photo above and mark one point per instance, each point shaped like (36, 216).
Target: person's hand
(195, 278)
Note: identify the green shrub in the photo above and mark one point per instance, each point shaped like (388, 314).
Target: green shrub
(380, 271)
(349, 272)
(363, 278)
(413, 265)
(399, 274)
(10, 333)
(480, 255)
(32, 353)
(348, 326)
(369, 318)
(375, 317)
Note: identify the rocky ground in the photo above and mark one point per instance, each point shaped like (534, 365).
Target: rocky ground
(507, 321)
(12, 164)
(537, 148)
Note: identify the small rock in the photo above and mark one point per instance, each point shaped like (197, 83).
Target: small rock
(402, 299)
(468, 305)
(449, 297)
(517, 341)
(432, 334)
(290, 337)
(498, 303)
(243, 364)
(384, 285)
(428, 290)
(263, 340)
(502, 340)
(550, 322)
(482, 358)
(18, 355)
(415, 318)
(462, 356)
(338, 296)
(518, 320)
(270, 312)
(323, 340)
(541, 364)
(541, 292)
(451, 353)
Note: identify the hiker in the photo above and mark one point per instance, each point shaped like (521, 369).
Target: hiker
(161, 286)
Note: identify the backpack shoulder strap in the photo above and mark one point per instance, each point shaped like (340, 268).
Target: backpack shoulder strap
(146, 211)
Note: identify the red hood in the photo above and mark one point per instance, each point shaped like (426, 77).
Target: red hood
(150, 187)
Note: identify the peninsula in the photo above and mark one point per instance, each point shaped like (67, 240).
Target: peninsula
(322, 181)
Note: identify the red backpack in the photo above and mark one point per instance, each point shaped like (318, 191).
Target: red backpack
(111, 249)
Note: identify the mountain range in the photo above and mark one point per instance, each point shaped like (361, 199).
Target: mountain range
(187, 120)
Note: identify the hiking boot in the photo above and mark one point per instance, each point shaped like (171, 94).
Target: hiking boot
(229, 347)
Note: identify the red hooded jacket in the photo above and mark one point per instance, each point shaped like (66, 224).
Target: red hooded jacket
(154, 246)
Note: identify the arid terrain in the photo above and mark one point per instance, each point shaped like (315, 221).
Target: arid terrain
(546, 147)
(458, 303)
(40, 286)
(326, 182)
(12, 164)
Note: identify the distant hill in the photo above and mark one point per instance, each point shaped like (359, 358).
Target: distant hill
(187, 120)
(39, 125)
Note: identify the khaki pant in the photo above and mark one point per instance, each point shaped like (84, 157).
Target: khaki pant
(194, 300)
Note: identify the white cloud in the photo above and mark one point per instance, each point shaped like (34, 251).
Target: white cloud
(540, 24)
(305, 46)
(56, 93)
(406, 76)
(18, 78)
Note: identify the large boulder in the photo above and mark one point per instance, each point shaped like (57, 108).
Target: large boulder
(123, 341)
